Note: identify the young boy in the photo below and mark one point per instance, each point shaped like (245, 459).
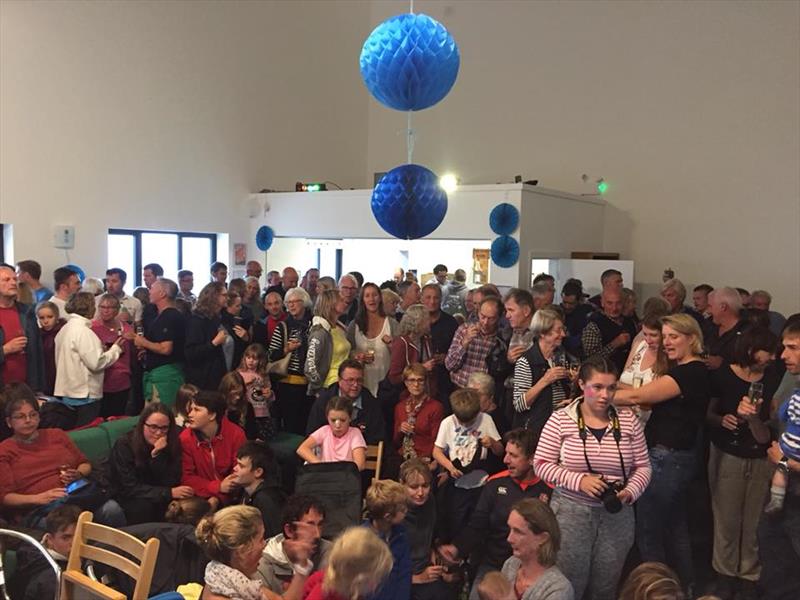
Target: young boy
(256, 473)
(462, 446)
(34, 578)
(387, 504)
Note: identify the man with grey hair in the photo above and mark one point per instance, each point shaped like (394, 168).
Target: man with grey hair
(251, 298)
(348, 290)
(760, 300)
(542, 294)
(162, 341)
(289, 279)
(674, 292)
(725, 306)
(410, 294)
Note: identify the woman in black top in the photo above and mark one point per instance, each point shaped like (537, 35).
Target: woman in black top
(678, 401)
(738, 470)
(205, 338)
(145, 466)
(238, 325)
(291, 337)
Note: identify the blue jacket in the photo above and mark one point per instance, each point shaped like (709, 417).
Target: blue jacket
(397, 586)
(33, 350)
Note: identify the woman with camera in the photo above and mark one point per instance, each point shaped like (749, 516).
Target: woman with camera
(596, 457)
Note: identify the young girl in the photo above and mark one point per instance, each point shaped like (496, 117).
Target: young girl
(258, 389)
(186, 394)
(240, 411)
(49, 326)
(336, 441)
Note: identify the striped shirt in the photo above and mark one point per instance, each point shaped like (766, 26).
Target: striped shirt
(463, 362)
(559, 458)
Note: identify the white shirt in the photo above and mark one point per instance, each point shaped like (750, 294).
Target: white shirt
(80, 359)
(61, 304)
(460, 442)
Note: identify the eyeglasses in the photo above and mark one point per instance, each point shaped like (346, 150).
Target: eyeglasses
(157, 428)
(353, 381)
(34, 416)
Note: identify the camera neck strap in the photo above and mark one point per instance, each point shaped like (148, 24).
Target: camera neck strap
(616, 431)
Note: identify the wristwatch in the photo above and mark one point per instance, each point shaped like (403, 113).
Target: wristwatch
(783, 465)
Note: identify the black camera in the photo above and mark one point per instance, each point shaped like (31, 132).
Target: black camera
(609, 497)
(258, 393)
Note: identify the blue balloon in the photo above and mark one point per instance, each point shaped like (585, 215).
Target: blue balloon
(408, 202)
(505, 251)
(264, 238)
(504, 218)
(409, 62)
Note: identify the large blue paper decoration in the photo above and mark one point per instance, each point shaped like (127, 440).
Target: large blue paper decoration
(505, 251)
(409, 62)
(77, 270)
(408, 202)
(504, 218)
(264, 238)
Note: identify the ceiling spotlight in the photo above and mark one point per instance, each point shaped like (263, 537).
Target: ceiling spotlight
(448, 182)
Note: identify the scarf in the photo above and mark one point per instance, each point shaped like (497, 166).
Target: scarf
(232, 583)
(412, 410)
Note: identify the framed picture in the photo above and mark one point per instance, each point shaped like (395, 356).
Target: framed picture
(240, 254)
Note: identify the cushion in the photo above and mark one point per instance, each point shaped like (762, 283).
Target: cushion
(93, 442)
(118, 427)
(284, 445)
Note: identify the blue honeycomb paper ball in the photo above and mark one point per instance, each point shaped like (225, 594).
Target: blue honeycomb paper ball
(408, 202)
(409, 62)
(505, 251)
(264, 238)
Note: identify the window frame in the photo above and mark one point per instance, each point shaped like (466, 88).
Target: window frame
(137, 246)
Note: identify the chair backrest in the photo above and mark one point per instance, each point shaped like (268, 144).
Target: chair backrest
(133, 557)
(374, 460)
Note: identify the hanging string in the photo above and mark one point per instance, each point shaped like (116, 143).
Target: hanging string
(411, 7)
(410, 133)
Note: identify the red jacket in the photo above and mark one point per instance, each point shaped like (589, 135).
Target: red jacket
(206, 464)
(425, 429)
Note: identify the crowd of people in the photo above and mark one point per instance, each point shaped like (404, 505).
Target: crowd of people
(532, 449)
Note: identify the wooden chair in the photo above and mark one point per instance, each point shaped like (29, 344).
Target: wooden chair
(374, 460)
(84, 546)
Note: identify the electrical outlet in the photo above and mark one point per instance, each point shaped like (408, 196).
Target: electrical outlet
(64, 237)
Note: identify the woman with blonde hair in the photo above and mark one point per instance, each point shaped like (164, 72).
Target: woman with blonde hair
(357, 564)
(652, 581)
(678, 400)
(327, 344)
(646, 361)
(233, 538)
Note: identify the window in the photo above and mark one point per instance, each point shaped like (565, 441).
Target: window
(132, 249)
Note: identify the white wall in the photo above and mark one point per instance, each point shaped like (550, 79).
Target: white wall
(165, 115)
(689, 109)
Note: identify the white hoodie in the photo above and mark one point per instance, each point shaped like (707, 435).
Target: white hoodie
(80, 359)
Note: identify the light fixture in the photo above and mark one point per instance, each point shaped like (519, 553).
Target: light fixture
(448, 182)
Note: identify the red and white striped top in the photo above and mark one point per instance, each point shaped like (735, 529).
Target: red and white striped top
(559, 456)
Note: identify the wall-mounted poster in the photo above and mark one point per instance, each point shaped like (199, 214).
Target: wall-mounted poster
(240, 254)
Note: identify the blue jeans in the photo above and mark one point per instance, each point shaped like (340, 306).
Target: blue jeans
(662, 533)
(779, 551)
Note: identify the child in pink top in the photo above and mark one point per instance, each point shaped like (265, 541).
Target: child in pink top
(336, 441)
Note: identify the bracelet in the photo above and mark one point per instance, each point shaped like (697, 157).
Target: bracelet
(303, 570)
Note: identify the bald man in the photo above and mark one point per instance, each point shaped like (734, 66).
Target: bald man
(608, 333)
(289, 279)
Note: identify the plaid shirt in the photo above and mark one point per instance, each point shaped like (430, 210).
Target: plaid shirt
(462, 362)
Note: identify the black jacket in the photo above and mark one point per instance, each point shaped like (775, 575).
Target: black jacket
(269, 499)
(488, 526)
(153, 480)
(369, 419)
(34, 578)
(205, 363)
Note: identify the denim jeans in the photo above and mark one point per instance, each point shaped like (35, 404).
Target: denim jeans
(779, 551)
(662, 533)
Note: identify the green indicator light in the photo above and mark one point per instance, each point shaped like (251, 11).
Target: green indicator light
(602, 187)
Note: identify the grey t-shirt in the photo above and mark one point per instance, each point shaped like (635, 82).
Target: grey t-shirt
(552, 585)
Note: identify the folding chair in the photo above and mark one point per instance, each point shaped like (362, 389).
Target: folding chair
(374, 460)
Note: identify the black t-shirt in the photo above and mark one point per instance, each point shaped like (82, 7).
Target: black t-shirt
(168, 326)
(728, 388)
(674, 423)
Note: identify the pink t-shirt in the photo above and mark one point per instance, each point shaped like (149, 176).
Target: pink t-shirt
(335, 449)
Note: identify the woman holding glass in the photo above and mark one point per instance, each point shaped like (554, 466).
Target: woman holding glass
(206, 339)
(646, 360)
(738, 470)
(370, 335)
(291, 337)
(542, 374)
(416, 417)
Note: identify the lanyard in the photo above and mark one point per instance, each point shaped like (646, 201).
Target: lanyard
(617, 432)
